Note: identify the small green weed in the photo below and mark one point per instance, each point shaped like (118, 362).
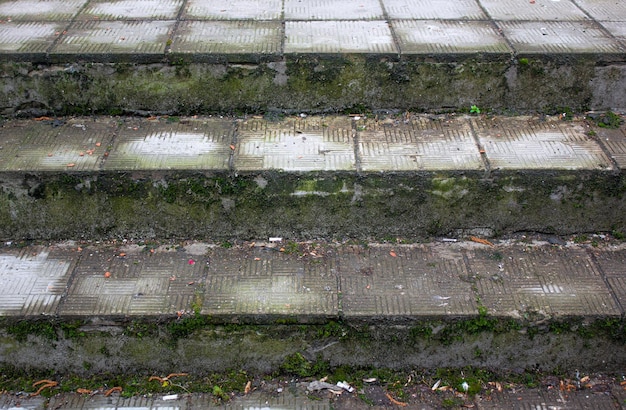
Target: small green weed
(474, 109)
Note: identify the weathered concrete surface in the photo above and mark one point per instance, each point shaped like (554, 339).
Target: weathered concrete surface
(82, 308)
(411, 177)
(135, 56)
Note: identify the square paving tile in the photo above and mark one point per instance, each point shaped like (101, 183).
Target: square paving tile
(417, 281)
(616, 28)
(333, 10)
(604, 10)
(338, 37)
(544, 279)
(263, 282)
(234, 39)
(436, 36)
(233, 10)
(33, 281)
(558, 37)
(434, 9)
(529, 143)
(422, 144)
(190, 144)
(28, 39)
(140, 283)
(539, 10)
(613, 265)
(131, 10)
(111, 40)
(77, 145)
(614, 140)
(40, 10)
(295, 145)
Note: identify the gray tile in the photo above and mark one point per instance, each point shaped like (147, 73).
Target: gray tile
(434, 9)
(191, 144)
(338, 37)
(333, 10)
(77, 145)
(131, 10)
(530, 143)
(404, 281)
(616, 28)
(40, 10)
(33, 281)
(263, 281)
(233, 10)
(29, 38)
(614, 141)
(542, 279)
(295, 145)
(558, 37)
(110, 40)
(140, 283)
(423, 143)
(205, 39)
(604, 10)
(544, 10)
(436, 36)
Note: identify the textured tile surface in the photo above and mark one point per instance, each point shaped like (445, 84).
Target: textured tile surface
(40, 10)
(228, 37)
(263, 281)
(333, 10)
(338, 37)
(404, 281)
(233, 10)
(434, 9)
(193, 144)
(295, 145)
(557, 37)
(604, 10)
(529, 143)
(548, 280)
(115, 37)
(421, 144)
(33, 281)
(434, 36)
(538, 10)
(131, 10)
(28, 38)
(77, 145)
(165, 282)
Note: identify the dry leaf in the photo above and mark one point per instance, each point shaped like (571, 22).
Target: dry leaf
(113, 389)
(84, 391)
(71, 164)
(394, 401)
(392, 253)
(248, 387)
(480, 240)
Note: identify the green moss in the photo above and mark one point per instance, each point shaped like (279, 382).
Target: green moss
(297, 365)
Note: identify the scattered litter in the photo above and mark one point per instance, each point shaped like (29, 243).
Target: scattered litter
(448, 240)
(394, 401)
(248, 387)
(276, 239)
(442, 297)
(393, 254)
(107, 274)
(436, 385)
(113, 389)
(83, 391)
(317, 385)
(191, 262)
(465, 386)
(369, 380)
(44, 384)
(480, 240)
(171, 397)
(80, 126)
(344, 385)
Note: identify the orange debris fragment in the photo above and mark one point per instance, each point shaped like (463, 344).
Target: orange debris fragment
(480, 240)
